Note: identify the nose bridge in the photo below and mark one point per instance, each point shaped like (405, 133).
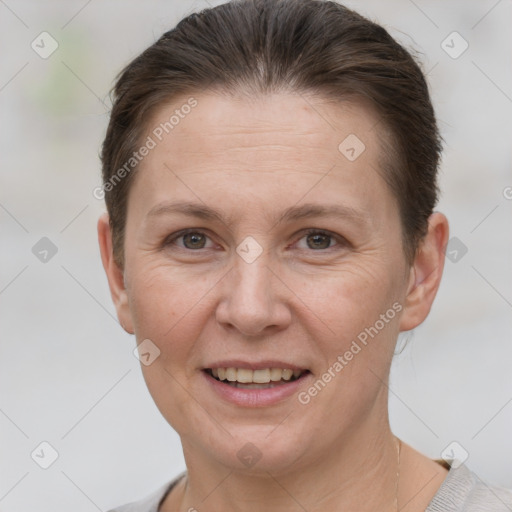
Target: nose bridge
(250, 301)
(253, 280)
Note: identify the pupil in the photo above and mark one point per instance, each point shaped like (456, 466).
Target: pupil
(194, 239)
(318, 239)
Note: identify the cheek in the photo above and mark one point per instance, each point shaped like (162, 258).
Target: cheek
(362, 311)
(361, 307)
(170, 309)
(350, 298)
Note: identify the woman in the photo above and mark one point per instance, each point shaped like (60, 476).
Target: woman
(270, 177)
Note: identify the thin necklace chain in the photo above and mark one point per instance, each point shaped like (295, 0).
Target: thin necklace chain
(399, 449)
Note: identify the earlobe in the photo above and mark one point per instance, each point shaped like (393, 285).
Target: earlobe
(425, 273)
(115, 275)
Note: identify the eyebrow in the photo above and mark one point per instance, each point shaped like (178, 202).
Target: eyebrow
(307, 210)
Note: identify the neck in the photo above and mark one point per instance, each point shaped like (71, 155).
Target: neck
(358, 473)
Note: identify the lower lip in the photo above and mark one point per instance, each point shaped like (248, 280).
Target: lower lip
(255, 397)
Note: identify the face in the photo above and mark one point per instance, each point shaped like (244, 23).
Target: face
(255, 242)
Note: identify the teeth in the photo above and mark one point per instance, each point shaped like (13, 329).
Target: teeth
(231, 374)
(246, 376)
(287, 374)
(275, 374)
(261, 376)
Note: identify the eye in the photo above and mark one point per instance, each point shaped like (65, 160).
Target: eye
(314, 239)
(190, 240)
(321, 240)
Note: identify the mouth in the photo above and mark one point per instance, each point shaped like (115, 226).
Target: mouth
(264, 378)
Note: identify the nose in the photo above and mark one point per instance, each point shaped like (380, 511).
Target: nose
(254, 300)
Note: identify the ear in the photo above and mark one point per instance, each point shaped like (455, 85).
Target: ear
(115, 275)
(425, 273)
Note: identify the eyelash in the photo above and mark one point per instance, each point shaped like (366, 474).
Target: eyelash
(340, 241)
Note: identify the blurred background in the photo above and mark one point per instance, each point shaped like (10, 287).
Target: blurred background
(68, 376)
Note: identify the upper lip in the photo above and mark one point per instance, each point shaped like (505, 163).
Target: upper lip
(256, 365)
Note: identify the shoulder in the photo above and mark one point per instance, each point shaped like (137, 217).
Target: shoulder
(463, 491)
(152, 501)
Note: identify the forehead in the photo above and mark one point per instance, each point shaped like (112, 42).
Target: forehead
(261, 147)
(218, 122)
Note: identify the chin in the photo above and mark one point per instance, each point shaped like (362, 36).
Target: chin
(257, 449)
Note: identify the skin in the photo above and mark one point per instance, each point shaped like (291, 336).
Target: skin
(303, 300)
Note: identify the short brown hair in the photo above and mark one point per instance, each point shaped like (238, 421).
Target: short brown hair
(266, 46)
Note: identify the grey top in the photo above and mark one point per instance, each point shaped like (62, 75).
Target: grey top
(461, 491)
